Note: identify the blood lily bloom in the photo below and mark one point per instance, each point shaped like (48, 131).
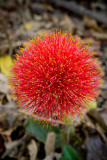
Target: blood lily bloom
(55, 75)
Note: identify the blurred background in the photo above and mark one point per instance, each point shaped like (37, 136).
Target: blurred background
(25, 139)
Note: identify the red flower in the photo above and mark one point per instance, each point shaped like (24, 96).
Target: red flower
(55, 75)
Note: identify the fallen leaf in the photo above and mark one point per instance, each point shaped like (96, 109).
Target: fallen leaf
(50, 143)
(4, 87)
(91, 40)
(48, 7)
(96, 117)
(5, 63)
(98, 35)
(33, 150)
(96, 149)
(67, 23)
(28, 26)
(91, 23)
(41, 131)
(101, 133)
(103, 114)
(52, 156)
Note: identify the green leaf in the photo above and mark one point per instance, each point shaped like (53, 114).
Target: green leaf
(70, 153)
(41, 130)
(64, 158)
(92, 104)
(36, 130)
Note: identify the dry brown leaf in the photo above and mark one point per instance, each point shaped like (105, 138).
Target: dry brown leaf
(48, 7)
(33, 150)
(101, 132)
(54, 18)
(91, 40)
(50, 142)
(95, 116)
(103, 114)
(91, 23)
(98, 35)
(67, 23)
(52, 156)
(4, 87)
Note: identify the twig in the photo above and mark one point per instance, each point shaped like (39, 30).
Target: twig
(13, 145)
(78, 9)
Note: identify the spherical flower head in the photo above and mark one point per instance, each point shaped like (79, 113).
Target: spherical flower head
(55, 75)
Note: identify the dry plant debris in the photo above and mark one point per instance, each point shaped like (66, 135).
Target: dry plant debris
(22, 20)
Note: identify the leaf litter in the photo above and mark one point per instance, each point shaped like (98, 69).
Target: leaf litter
(22, 20)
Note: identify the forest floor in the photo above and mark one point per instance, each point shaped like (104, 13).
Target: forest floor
(22, 20)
